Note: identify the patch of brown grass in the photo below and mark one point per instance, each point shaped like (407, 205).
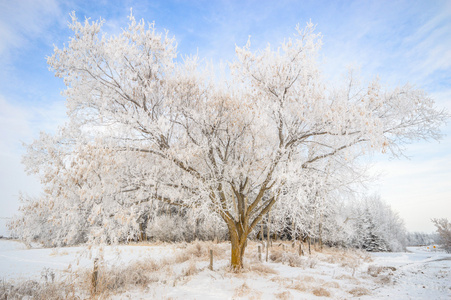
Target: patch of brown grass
(345, 257)
(349, 278)
(374, 270)
(114, 279)
(191, 269)
(297, 285)
(57, 252)
(279, 279)
(194, 250)
(312, 262)
(262, 269)
(359, 291)
(308, 279)
(242, 290)
(384, 279)
(31, 289)
(283, 295)
(320, 292)
(276, 256)
(200, 251)
(291, 259)
(331, 284)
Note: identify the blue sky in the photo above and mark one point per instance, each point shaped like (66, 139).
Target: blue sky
(401, 41)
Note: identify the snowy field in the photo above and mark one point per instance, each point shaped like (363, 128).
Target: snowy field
(180, 271)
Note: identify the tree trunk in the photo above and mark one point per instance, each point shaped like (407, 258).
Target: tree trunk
(240, 227)
(238, 247)
(141, 231)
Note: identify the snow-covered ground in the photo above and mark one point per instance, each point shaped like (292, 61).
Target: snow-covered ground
(420, 274)
(19, 262)
(417, 274)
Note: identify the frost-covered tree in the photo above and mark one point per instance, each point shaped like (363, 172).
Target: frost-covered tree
(310, 215)
(444, 230)
(145, 126)
(372, 225)
(422, 239)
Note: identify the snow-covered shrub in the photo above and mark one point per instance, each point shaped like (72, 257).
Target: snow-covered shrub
(42, 220)
(182, 227)
(169, 229)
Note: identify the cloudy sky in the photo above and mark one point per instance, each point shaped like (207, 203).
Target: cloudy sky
(400, 41)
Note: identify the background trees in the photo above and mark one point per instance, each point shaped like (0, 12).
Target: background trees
(146, 127)
(444, 231)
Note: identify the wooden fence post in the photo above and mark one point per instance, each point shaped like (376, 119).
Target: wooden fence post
(95, 274)
(267, 237)
(211, 259)
(309, 251)
(259, 253)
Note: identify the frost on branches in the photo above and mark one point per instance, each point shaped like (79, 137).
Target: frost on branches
(146, 127)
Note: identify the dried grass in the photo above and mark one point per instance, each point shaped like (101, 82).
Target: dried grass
(113, 280)
(312, 262)
(346, 257)
(320, 292)
(276, 256)
(359, 291)
(278, 279)
(242, 290)
(307, 279)
(384, 279)
(201, 251)
(374, 270)
(283, 295)
(297, 285)
(349, 278)
(191, 269)
(31, 289)
(331, 284)
(293, 260)
(57, 252)
(262, 269)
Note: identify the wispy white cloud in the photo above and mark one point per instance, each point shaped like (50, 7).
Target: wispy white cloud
(428, 48)
(21, 21)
